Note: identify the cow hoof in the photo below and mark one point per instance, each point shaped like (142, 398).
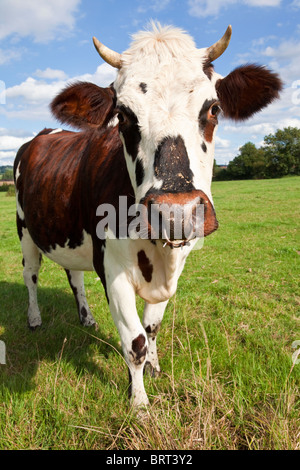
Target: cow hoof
(90, 324)
(152, 371)
(33, 327)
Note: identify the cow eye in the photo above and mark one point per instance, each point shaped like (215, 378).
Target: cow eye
(214, 111)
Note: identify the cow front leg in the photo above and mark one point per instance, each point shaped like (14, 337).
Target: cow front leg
(121, 298)
(76, 281)
(152, 318)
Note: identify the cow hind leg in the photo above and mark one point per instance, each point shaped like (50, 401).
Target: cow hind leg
(76, 281)
(31, 262)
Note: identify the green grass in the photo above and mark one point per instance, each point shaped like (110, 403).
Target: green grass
(225, 346)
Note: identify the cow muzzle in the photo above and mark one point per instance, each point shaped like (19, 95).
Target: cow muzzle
(178, 218)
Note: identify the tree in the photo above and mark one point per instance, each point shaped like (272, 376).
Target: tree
(250, 163)
(282, 152)
(278, 156)
(8, 175)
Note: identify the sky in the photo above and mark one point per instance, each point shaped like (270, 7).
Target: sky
(45, 44)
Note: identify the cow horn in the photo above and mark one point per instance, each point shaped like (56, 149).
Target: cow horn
(220, 46)
(111, 57)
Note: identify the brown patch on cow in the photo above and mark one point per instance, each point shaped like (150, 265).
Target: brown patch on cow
(208, 121)
(83, 312)
(209, 130)
(139, 350)
(175, 198)
(145, 266)
(152, 331)
(210, 221)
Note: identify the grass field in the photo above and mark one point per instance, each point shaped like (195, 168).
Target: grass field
(225, 346)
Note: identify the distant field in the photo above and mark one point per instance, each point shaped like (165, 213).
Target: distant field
(225, 346)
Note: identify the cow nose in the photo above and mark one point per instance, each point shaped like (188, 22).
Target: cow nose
(175, 221)
(180, 217)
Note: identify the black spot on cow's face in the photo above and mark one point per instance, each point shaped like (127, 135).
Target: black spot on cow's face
(130, 130)
(139, 172)
(143, 87)
(204, 147)
(172, 166)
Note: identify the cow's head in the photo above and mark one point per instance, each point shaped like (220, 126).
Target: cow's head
(167, 99)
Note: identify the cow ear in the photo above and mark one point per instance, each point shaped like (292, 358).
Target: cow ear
(84, 105)
(247, 90)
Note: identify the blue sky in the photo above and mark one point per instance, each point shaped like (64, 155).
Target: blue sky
(44, 44)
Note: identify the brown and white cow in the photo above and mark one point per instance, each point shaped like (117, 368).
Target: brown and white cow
(149, 138)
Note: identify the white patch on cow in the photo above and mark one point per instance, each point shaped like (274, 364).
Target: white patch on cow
(167, 266)
(55, 131)
(19, 208)
(113, 122)
(17, 172)
(80, 258)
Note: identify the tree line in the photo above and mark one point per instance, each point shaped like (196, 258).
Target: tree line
(278, 156)
(6, 173)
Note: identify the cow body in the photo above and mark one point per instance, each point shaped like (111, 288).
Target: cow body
(159, 153)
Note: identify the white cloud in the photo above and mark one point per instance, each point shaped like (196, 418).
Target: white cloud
(9, 145)
(30, 100)
(203, 8)
(51, 74)
(44, 20)
(286, 50)
(40, 92)
(285, 59)
(263, 3)
(9, 142)
(33, 91)
(222, 143)
(155, 5)
(10, 54)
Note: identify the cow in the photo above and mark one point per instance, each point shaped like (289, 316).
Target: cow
(147, 139)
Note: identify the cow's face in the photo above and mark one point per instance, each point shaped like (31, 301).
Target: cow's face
(168, 109)
(168, 114)
(167, 99)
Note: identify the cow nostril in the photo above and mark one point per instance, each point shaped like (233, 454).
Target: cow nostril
(150, 202)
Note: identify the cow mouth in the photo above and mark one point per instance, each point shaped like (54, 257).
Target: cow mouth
(174, 243)
(179, 244)
(177, 218)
